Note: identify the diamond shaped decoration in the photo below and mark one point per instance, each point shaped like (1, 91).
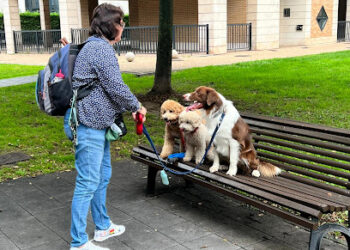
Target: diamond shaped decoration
(322, 18)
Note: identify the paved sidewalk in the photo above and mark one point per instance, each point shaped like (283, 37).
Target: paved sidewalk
(146, 63)
(17, 80)
(35, 214)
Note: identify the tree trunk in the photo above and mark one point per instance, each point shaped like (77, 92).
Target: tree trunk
(162, 78)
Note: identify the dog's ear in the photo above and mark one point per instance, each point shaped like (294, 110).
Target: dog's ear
(212, 98)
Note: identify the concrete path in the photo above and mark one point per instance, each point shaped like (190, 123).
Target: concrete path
(35, 215)
(17, 80)
(147, 63)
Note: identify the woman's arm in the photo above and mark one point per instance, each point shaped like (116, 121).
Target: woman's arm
(107, 69)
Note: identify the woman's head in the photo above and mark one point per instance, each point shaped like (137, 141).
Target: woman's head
(107, 21)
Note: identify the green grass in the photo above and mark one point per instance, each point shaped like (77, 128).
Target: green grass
(15, 70)
(312, 89)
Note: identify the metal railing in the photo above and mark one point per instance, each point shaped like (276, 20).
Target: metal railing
(37, 40)
(2, 41)
(186, 39)
(239, 36)
(343, 34)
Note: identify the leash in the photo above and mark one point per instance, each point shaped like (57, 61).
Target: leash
(197, 166)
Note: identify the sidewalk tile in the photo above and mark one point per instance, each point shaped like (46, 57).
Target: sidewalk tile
(210, 242)
(141, 237)
(152, 216)
(53, 245)
(183, 232)
(6, 244)
(29, 233)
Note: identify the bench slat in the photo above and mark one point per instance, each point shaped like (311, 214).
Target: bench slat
(297, 195)
(303, 148)
(292, 195)
(308, 189)
(306, 165)
(295, 138)
(315, 183)
(303, 156)
(305, 172)
(303, 132)
(296, 124)
(234, 184)
(251, 201)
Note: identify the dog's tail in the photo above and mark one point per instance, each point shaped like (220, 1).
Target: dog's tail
(268, 170)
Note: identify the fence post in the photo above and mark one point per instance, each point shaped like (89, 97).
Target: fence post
(15, 41)
(37, 41)
(250, 36)
(207, 38)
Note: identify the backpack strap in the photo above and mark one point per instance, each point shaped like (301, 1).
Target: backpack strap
(59, 60)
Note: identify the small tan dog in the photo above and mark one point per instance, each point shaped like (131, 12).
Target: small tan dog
(196, 136)
(170, 111)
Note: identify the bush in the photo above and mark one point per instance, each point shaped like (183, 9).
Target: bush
(126, 20)
(1, 21)
(31, 21)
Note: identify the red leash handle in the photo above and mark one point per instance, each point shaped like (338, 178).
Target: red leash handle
(139, 123)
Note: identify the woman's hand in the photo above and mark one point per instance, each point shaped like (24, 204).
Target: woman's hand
(142, 111)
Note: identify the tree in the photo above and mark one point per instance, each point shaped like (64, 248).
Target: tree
(162, 78)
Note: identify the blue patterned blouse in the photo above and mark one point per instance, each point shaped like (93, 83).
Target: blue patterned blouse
(97, 64)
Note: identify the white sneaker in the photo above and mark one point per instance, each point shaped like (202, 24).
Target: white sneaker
(113, 230)
(89, 246)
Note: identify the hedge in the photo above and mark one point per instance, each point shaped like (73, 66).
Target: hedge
(31, 21)
(1, 21)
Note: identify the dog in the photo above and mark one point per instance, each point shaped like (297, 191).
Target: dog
(170, 111)
(196, 136)
(233, 140)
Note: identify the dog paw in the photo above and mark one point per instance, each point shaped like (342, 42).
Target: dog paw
(213, 169)
(256, 173)
(187, 159)
(232, 172)
(163, 156)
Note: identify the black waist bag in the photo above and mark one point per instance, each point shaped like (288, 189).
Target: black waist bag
(120, 123)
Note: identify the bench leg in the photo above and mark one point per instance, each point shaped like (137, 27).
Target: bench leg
(317, 235)
(151, 180)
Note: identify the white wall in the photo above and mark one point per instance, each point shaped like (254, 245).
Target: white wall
(265, 18)
(348, 11)
(124, 5)
(300, 14)
(21, 5)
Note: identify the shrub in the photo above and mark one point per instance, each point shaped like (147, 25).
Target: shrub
(31, 21)
(1, 21)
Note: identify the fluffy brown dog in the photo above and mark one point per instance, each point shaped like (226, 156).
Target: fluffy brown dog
(170, 111)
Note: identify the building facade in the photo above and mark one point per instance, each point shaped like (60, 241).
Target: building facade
(275, 23)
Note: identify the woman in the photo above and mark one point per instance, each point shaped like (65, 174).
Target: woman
(96, 64)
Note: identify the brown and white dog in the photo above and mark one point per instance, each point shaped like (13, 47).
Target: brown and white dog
(170, 111)
(233, 140)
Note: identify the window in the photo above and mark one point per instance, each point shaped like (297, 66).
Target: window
(322, 18)
(286, 12)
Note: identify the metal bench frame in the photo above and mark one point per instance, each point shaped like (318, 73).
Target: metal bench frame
(314, 149)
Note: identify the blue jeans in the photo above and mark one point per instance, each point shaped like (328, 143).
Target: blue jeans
(93, 165)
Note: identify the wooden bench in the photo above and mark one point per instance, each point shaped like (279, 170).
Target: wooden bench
(315, 180)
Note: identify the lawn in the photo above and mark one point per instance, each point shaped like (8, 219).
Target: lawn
(312, 88)
(15, 70)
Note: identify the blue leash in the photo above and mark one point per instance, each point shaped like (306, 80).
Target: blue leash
(163, 174)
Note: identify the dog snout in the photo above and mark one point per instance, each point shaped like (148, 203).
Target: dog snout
(165, 119)
(186, 96)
